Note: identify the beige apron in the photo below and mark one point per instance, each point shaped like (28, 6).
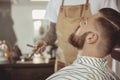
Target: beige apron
(68, 20)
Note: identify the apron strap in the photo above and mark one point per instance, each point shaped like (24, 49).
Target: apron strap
(86, 5)
(62, 3)
(81, 11)
(84, 8)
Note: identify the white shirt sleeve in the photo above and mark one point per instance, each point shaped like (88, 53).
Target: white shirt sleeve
(52, 10)
(98, 4)
(110, 4)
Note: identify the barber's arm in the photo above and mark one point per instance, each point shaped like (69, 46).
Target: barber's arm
(49, 39)
(51, 36)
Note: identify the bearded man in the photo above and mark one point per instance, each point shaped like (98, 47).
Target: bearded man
(96, 38)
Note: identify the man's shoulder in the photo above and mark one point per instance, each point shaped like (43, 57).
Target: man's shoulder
(72, 72)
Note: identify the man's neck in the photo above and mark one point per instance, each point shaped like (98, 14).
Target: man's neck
(91, 53)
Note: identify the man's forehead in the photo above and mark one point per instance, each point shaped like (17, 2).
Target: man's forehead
(92, 23)
(93, 19)
(95, 16)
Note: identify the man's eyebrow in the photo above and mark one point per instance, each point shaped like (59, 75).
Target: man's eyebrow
(118, 28)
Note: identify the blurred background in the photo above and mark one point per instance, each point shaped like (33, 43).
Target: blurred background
(22, 22)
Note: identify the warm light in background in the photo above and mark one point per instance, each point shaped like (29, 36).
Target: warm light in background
(38, 14)
(37, 17)
(37, 25)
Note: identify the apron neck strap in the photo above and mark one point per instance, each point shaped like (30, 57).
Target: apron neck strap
(84, 8)
(86, 5)
(62, 3)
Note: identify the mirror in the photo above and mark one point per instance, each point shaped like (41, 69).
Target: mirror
(23, 21)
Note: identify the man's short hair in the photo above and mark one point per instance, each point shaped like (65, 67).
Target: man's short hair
(109, 22)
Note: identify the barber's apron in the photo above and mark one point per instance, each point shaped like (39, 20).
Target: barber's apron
(68, 20)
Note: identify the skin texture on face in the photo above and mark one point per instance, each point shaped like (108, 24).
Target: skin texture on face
(77, 39)
(87, 38)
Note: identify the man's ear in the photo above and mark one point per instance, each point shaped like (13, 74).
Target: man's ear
(91, 38)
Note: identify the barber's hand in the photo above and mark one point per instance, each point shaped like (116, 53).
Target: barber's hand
(39, 46)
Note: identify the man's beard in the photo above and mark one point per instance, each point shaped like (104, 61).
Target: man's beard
(78, 41)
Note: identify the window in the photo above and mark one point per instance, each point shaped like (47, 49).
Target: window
(38, 18)
(38, 14)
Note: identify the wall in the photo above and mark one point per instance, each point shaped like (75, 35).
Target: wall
(23, 26)
(6, 23)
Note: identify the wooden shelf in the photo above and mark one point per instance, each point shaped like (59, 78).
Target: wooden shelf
(26, 71)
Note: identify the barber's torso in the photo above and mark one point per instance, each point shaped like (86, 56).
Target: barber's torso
(68, 20)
